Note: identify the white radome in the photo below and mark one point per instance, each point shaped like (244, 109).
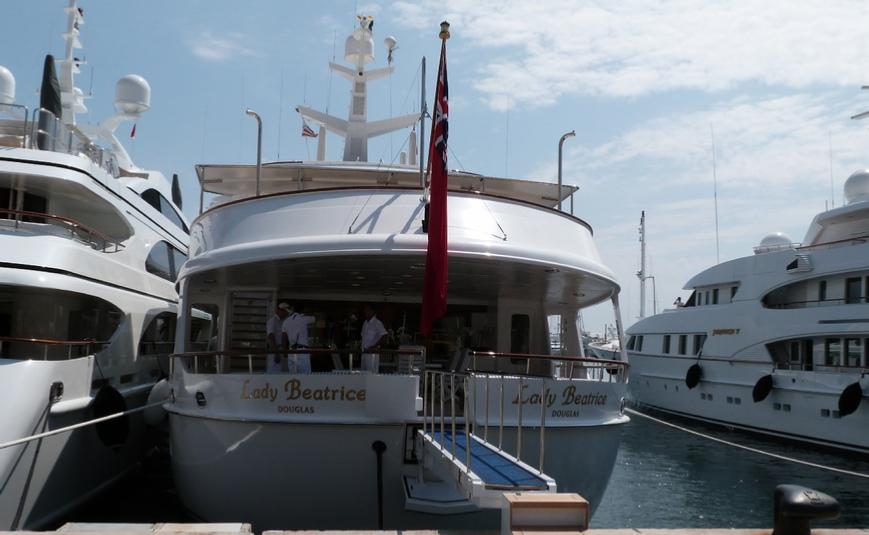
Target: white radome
(7, 86)
(776, 239)
(857, 187)
(132, 95)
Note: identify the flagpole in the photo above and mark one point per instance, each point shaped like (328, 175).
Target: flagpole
(422, 112)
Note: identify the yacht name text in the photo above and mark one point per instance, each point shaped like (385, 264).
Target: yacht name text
(293, 390)
(569, 397)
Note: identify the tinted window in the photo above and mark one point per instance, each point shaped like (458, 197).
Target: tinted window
(164, 261)
(162, 204)
(665, 348)
(853, 289)
(159, 335)
(520, 333)
(152, 197)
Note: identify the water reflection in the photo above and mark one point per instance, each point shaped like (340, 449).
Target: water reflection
(665, 478)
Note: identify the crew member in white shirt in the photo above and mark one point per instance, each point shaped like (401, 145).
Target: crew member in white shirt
(373, 336)
(274, 361)
(295, 336)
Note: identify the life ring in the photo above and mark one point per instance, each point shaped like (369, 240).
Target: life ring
(850, 398)
(693, 376)
(762, 388)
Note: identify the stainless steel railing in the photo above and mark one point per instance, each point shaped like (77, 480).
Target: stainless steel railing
(391, 361)
(42, 130)
(444, 390)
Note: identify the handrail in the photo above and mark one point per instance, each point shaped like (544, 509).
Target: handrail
(52, 341)
(48, 130)
(72, 224)
(533, 356)
(817, 303)
(24, 127)
(259, 354)
(452, 385)
(48, 343)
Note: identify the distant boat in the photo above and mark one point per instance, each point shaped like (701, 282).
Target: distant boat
(774, 343)
(90, 246)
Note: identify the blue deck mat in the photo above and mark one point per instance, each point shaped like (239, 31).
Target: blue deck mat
(490, 465)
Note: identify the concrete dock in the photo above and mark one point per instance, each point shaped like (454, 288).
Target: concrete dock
(80, 528)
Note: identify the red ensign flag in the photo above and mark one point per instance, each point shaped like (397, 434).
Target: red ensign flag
(434, 296)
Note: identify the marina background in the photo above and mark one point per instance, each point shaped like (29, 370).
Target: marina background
(643, 85)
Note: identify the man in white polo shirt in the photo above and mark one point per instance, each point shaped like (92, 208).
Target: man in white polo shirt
(274, 361)
(373, 336)
(295, 336)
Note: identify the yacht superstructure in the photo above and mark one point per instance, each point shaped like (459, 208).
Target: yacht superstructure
(91, 245)
(775, 342)
(498, 398)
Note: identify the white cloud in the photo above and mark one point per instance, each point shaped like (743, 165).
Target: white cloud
(225, 47)
(550, 48)
(773, 163)
(779, 142)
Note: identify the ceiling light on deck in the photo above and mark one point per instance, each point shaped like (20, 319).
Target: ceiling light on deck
(407, 276)
(359, 277)
(417, 266)
(551, 270)
(398, 283)
(355, 284)
(209, 281)
(387, 292)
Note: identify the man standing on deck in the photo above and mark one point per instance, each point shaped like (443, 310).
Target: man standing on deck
(274, 361)
(373, 336)
(295, 336)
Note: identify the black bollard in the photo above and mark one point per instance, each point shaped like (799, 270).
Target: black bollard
(796, 506)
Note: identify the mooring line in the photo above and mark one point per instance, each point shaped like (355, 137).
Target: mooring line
(748, 448)
(73, 427)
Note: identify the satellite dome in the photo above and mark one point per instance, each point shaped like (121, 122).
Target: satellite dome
(359, 47)
(7, 86)
(132, 95)
(774, 242)
(857, 187)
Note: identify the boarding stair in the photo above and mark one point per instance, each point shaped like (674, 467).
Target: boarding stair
(461, 471)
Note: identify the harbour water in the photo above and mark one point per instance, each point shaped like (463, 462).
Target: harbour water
(663, 478)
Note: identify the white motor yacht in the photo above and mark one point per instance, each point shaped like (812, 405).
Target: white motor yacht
(90, 245)
(498, 398)
(775, 342)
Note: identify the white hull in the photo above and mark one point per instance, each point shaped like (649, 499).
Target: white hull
(283, 476)
(792, 410)
(46, 478)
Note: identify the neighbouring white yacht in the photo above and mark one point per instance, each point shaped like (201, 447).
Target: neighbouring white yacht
(775, 342)
(90, 245)
(499, 397)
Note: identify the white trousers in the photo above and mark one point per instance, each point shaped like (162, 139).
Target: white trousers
(370, 362)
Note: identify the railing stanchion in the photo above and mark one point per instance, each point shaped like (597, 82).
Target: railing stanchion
(501, 416)
(467, 426)
(250, 363)
(486, 421)
(195, 363)
(542, 419)
(424, 404)
(519, 427)
(442, 406)
(453, 410)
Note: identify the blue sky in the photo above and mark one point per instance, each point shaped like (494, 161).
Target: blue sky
(644, 84)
